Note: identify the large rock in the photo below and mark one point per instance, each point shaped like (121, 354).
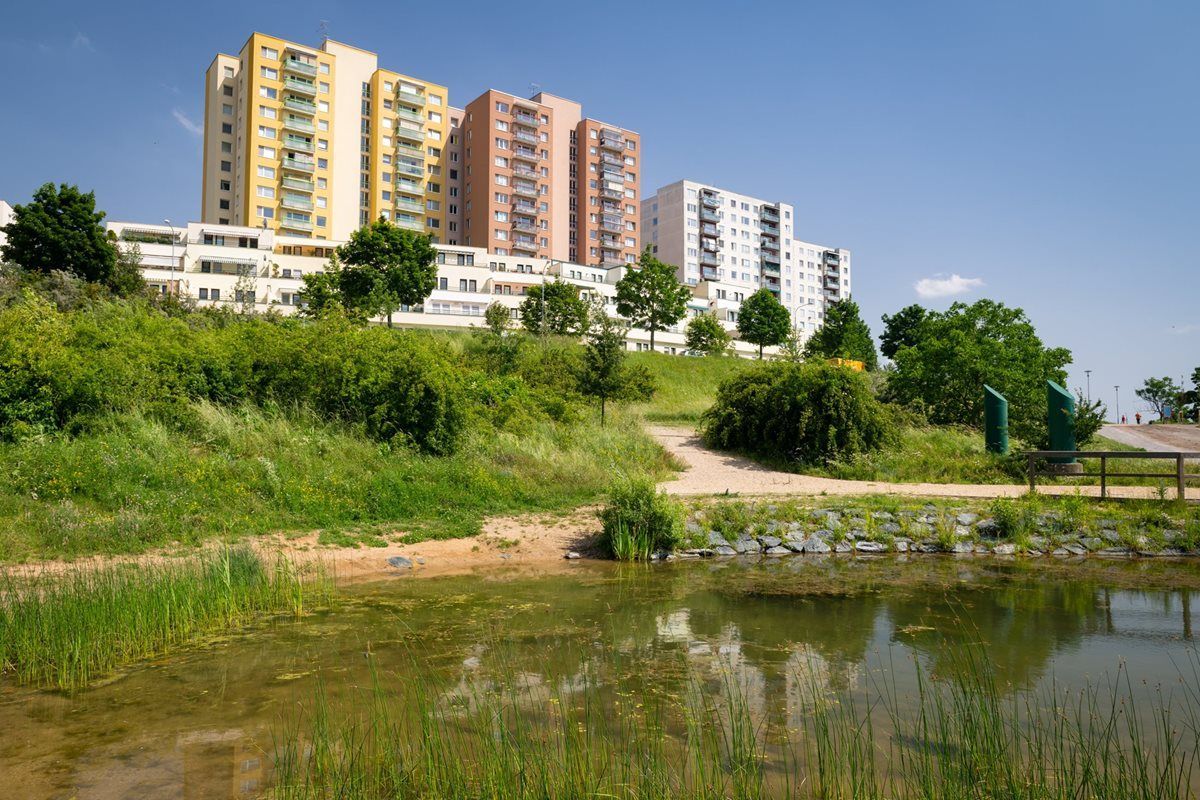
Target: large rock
(901, 545)
(962, 547)
(400, 562)
(988, 529)
(770, 541)
(1075, 549)
(1004, 549)
(967, 518)
(1092, 543)
(778, 551)
(814, 545)
(724, 550)
(842, 547)
(716, 540)
(870, 547)
(890, 528)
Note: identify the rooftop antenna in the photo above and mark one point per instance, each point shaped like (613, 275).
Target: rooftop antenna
(534, 88)
(323, 30)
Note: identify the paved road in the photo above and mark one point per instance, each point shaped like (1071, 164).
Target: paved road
(711, 472)
(1156, 437)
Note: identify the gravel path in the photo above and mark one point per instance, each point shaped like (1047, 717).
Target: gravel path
(711, 472)
(1156, 437)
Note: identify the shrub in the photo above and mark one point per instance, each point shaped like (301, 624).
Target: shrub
(799, 414)
(639, 520)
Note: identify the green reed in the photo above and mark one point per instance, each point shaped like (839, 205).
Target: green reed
(960, 737)
(65, 630)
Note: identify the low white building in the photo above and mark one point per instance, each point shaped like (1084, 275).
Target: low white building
(255, 269)
(6, 216)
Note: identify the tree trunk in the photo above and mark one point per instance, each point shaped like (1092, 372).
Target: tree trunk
(651, 338)
(760, 352)
(389, 319)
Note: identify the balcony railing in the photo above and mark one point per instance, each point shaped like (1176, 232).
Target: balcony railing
(411, 134)
(528, 247)
(300, 104)
(522, 225)
(611, 140)
(299, 125)
(709, 259)
(710, 200)
(770, 213)
(612, 192)
(296, 202)
(611, 160)
(298, 183)
(526, 119)
(300, 87)
(299, 165)
(524, 172)
(298, 144)
(523, 136)
(411, 187)
(412, 98)
(708, 230)
(409, 204)
(410, 150)
(296, 223)
(832, 259)
(769, 228)
(708, 216)
(412, 116)
(410, 223)
(611, 226)
(524, 191)
(527, 155)
(300, 67)
(405, 168)
(769, 243)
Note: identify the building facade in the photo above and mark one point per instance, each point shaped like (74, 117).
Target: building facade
(730, 245)
(256, 270)
(543, 180)
(313, 142)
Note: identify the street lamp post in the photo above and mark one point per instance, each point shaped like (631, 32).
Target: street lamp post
(1088, 373)
(172, 227)
(1117, 389)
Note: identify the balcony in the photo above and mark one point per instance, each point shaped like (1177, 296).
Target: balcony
(832, 259)
(410, 150)
(614, 246)
(710, 201)
(524, 208)
(408, 204)
(296, 202)
(770, 269)
(413, 116)
(521, 190)
(709, 259)
(296, 223)
(299, 125)
(613, 175)
(412, 98)
(613, 209)
(298, 165)
(712, 245)
(708, 273)
(612, 227)
(769, 244)
(306, 88)
(770, 213)
(410, 187)
(523, 136)
(525, 154)
(709, 216)
(612, 192)
(524, 172)
(526, 119)
(409, 168)
(410, 223)
(769, 228)
(300, 66)
(524, 246)
(522, 225)
(300, 104)
(611, 140)
(298, 144)
(612, 161)
(709, 231)
(411, 134)
(300, 184)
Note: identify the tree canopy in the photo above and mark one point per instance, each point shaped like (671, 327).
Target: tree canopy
(651, 296)
(385, 267)
(1159, 393)
(706, 334)
(843, 335)
(60, 229)
(762, 320)
(554, 307)
(901, 329)
(957, 351)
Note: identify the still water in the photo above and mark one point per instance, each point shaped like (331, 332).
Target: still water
(203, 723)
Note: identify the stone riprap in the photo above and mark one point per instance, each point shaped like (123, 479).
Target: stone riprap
(929, 530)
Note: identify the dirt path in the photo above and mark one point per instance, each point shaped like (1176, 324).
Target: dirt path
(711, 472)
(1184, 438)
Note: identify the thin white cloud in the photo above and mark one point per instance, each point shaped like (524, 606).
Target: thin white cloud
(186, 123)
(82, 42)
(941, 286)
(1184, 330)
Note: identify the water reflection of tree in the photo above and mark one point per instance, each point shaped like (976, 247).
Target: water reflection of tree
(1019, 625)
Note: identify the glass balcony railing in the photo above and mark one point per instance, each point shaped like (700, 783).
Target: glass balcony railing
(300, 104)
(769, 228)
(410, 150)
(710, 200)
(410, 223)
(612, 192)
(409, 204)
(411, 98)
(769, 243)
(296, 202)
(299, 184)
(410, 134)
(708, 230)
(523, 153)
(299, 165)
(411, 187)
(299, 125)
(298, 144)
(524, 172)
(523, 136)
(296, 223)
(709, 216)
(409, 114)
(405, 168)
(300, 67)
(524, 207)
(307, 88)
(524, 191)
(770, 213)
(525, 119)
(526, 246)
(708, 259)
(522, 225)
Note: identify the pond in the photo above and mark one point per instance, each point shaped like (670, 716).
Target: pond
(205, 723)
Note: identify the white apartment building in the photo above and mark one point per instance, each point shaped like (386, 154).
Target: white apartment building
(6, 216)
(259, 270)
(729, 245)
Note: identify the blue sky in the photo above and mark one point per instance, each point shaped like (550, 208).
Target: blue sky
(1044, 152)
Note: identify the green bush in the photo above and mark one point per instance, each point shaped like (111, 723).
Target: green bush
(798, 414)
(639, 520)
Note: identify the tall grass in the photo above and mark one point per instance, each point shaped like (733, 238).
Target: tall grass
(64, 631)
(686, 386)
(958, 738)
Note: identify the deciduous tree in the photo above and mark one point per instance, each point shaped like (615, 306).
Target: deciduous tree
(556, 308)
(843, 335)
(762, 320)
(651, 297)
(1159, 393)
(901, 329)
(706, 334)
(60, 229)
(385, 267)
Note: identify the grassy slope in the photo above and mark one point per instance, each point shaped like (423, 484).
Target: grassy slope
(686, 386)
(136, 484)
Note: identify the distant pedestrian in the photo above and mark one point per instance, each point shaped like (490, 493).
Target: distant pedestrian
(1138, 417)
(1123, 421)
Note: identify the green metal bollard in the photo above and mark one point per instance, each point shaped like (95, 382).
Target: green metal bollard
(995, 421)
(1061, 419)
